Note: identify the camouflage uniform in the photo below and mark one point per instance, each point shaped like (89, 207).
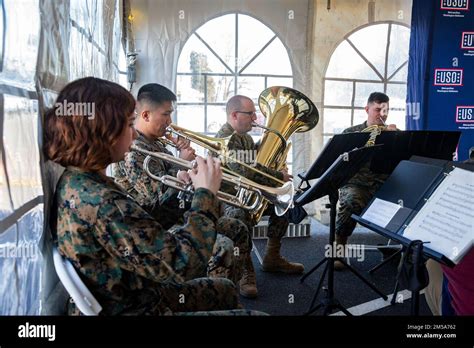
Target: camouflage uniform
(277, 225)
(159, 200)
(163, 204)
(129, 262)
(356, 194)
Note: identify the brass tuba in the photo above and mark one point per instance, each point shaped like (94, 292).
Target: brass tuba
(287, 111)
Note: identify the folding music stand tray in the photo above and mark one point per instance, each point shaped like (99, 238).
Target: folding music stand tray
(339, 172)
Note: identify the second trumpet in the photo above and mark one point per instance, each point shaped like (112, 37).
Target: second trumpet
(249, 195)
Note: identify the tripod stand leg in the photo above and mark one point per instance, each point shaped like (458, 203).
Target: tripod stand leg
(361, 277)
(343, 310)
(310, 310)
(388, 259)
(395, 293)
(312, 270)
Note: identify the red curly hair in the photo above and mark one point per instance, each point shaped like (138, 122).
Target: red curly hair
(74, 138)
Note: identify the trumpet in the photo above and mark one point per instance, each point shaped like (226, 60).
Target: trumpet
(250, 195)
(218, 146)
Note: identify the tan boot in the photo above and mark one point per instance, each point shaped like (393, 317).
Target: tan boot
(274, 262)
(338, 265)
(248, 283)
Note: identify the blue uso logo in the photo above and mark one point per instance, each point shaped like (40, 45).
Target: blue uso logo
(455, 4)
(465, 113)
(467, 40)
(448, 77)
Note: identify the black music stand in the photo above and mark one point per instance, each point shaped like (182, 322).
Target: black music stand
(411, 184)
(343, 168)
(402, 145)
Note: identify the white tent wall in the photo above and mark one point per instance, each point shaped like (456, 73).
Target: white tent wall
(162, 27)
(62, 41)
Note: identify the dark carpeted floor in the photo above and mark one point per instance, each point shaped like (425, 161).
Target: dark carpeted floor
(281, 294)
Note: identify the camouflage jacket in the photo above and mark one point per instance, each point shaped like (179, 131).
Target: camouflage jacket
(245, 144)
(120, 251)
(130, 175)
(365, 177)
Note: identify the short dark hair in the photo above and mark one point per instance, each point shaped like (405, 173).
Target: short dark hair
(378, 97)
(81, 141)
(155, 94)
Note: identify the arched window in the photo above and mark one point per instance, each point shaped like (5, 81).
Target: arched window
(228, 55)
(373, 58)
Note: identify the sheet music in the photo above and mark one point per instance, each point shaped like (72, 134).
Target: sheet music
(447, 218)
(381, 212)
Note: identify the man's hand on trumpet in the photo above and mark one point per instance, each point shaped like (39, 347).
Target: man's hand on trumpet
(186, 152)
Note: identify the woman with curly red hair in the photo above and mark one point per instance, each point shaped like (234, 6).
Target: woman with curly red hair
(129, 262)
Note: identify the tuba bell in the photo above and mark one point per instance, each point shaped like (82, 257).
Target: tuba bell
(287, 111)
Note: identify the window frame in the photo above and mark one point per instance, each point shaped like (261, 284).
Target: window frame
(385, 80)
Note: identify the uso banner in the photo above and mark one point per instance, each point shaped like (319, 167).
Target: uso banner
(441, 69)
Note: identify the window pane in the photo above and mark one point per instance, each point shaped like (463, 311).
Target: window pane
(10, 298)
(401, 75)
(371, 42)
(398, 95)
(363, 91)
(216, 117)
(5, 206)
(254, 32)
(21, 41)
(20, 137)
(357, 69)
(399, 46)
(190, 88)
(219, 34)
(191, 117)
(219, 88)
(335, 121)
(273, 60)
(250, 86)
(338, 93)
(360, 116)
(397, 118)
(280, 81)
(197, 58)
(84, 58)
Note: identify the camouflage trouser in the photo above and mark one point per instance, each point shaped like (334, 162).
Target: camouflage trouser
(230, 250)
(352, 200)
(169, 210)
(201, 294)
(277, 225)
(204, 297)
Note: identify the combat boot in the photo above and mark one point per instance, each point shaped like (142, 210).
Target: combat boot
(248, 282)
(274, 262)
(340, 240)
